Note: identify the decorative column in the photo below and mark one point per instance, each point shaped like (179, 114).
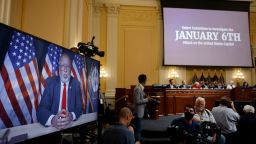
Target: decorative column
(73, 23)
(112, 44)
(5, 6)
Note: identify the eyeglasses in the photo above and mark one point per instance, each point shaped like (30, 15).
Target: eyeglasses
(63, 67)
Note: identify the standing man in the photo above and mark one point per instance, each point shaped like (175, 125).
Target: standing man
(226, 118)
(139, 102)
(61, 102)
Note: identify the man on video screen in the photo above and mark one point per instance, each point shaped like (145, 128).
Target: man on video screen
(61, 102)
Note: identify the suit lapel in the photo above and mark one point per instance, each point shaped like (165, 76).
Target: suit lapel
(70, 94)
(57, 89)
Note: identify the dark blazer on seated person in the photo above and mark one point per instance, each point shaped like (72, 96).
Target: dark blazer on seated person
(171, 86)
(49, 104)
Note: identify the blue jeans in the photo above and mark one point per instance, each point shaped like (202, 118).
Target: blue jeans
(137, 130)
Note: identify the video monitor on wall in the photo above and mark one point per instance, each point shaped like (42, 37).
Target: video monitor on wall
(26, 64)
(206, 33)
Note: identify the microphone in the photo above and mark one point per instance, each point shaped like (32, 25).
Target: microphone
(92, 40)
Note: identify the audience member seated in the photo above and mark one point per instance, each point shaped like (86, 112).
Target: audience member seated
(171, 84)
(119, 133)
(246, 127)
(184, 127)
(231, 85)
(226, 118)
(201, 113)
(196, 85)
(183, 85)
(204, 115)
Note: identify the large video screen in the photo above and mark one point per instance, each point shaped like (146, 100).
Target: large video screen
(26, 64)
(206, 35)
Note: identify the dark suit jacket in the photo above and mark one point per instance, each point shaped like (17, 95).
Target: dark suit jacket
(49, 104)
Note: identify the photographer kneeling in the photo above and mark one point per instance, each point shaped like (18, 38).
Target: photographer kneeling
(184, 129)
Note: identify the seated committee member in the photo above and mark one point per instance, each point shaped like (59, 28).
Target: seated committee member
(231, 85)
(226, 118)
(183, 85)
(171, 84)
(245, 85)
(120, 133)
(196, 85)
(61, 101)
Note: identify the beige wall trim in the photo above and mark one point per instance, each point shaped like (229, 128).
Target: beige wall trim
(133, 2)
(253, 6)
(5, 6)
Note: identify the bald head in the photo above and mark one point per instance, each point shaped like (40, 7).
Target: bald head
(124, 112)
(125, 116)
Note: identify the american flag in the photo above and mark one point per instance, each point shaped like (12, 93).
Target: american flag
(78, 71)
(51, 64)
(19, 93)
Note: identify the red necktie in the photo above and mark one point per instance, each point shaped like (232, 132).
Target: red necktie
(64, 97)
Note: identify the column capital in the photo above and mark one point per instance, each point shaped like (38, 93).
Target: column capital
(97, 7)
(112, 9)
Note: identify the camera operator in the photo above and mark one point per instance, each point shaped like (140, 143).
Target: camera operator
(184, 129)
(208, 123)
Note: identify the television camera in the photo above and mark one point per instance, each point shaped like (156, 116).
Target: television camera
(203, 135)
(89, 49)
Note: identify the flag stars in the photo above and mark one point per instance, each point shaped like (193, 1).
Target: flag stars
(24, 60)
(14, 53)
(21, 50)
(19, 57)
(18, 64)
(17, 40)
(16, 47)
(22, 44)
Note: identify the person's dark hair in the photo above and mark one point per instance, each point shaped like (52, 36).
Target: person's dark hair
(226, 101)
(189, 106)
(142, 78)
(245, 84)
